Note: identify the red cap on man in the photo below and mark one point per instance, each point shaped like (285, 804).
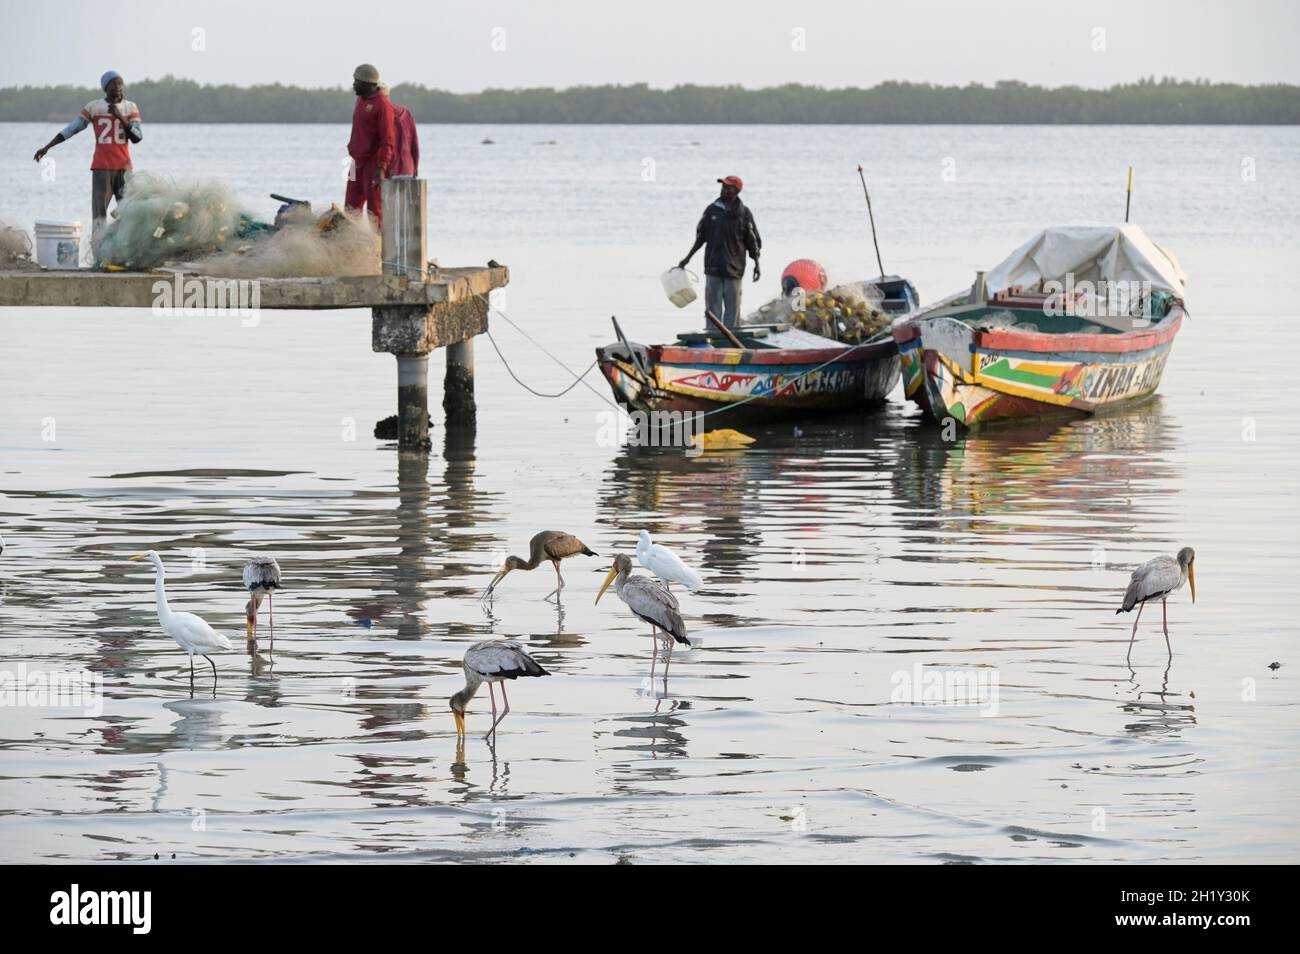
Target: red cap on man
(733, 181)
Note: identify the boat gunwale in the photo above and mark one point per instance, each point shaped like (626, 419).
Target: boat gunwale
(737, 357)
(765, 407)
(1009, 339)
(1041, 342)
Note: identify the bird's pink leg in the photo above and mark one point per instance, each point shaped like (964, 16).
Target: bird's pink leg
(492, 730)
(1165, 603)
(270, 608)
(669, 659)
(505, 712)
(654, 649)
(1135, 629)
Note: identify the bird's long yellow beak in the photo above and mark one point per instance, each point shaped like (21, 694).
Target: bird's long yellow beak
(250, 630)
(460, 722)
(138, 556)
(1191, 578)
(609, 578)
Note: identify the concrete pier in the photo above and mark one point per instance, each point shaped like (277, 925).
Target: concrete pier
(411, 333)
(88, 288)
(415, 307)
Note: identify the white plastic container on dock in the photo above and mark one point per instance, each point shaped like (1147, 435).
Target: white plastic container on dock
(58, 244)
(679, 286)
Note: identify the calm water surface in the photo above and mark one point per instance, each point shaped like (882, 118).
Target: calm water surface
(839, 557)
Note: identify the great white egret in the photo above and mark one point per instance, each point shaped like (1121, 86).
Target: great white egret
(1155, 580)
(191, 633)
(664, 563)
(492, 661)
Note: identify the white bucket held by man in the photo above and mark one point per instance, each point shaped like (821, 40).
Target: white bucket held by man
(679, 286)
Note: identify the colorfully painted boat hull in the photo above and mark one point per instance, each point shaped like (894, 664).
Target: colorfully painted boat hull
(977, 376)
(753, 383)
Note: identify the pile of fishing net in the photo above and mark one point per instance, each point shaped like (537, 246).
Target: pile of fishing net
(850, 312)
(15, 246)
(160, 220)
(302, 244)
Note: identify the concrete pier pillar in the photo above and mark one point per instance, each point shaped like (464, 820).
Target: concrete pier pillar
(403, 235)
(405, 253)
(412, 331)
(410, 334)
(458, 385)
(413, 402)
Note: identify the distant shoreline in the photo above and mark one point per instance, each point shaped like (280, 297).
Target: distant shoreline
(1164, 102)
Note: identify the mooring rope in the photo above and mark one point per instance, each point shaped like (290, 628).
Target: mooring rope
(578, 378)
(576, 381)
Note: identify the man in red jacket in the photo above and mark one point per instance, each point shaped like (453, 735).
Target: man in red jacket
(372, 142)
(406, 147)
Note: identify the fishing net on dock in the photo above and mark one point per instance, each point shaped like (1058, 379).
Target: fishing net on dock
(336, 243)
(161, 221)
(850, 312)
(15, 246)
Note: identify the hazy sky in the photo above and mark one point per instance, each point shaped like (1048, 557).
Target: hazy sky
(505, 43)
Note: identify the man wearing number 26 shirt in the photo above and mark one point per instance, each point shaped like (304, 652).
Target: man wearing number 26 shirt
(115, 122)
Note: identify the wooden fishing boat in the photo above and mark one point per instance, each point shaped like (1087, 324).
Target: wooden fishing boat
(1076, 320)
(778, 371)
(786, 373)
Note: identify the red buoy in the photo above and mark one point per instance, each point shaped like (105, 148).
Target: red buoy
(805, 273)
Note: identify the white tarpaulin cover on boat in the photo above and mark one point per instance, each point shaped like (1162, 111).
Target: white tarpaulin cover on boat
(1093, 253)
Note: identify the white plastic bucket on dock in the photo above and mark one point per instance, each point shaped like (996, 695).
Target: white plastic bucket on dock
(679, 286)
(58, 244)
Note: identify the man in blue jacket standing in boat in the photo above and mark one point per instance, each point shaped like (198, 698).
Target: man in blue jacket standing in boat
(727, 232)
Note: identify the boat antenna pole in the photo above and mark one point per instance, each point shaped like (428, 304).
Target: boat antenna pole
(1128, 198)
(872, 217)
